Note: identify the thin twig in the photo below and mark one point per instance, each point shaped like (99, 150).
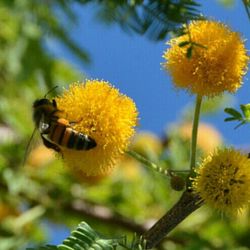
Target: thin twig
(246, 8)
(149, 164)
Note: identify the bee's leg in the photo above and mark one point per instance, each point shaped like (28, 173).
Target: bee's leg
(49, 144)
(72, 123)
(54, 103)
(53, 114)
(56, 110)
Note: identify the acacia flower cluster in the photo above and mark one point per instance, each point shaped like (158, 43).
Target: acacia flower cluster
(207, 60)
(103, 113)
(223, 180)
(218, 61)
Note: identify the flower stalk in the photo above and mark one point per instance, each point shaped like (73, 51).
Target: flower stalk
(149, 164)
(195, 132)
(188, 202)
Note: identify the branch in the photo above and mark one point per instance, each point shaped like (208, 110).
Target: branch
(82, 208)
(187, 204)
(104, 214)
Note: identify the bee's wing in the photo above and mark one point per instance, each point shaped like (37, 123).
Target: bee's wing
(32, 143)
(47, 143)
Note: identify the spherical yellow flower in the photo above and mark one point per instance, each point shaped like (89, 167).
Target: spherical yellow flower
(103, 113)
(223, 179)
(217, 63)
(208, 137)
(81, 177)
(40, 156)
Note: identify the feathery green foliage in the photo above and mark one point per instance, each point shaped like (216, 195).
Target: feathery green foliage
(84, 238)
(153, 18)
(243, 116)
(25, 28)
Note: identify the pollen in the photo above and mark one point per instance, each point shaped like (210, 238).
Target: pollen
(217, 63)
(100, 111)
(223, 179)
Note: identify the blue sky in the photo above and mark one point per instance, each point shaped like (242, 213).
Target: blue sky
(132, 63)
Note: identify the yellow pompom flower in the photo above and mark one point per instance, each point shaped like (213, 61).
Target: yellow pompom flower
(208, 138)
(103, 113)
(40, 156)
(223, 179)
(218, 61)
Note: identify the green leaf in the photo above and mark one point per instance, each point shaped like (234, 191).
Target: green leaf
(240, 124)
(84, 237)
(48, 247)
(245, 110)
(64, 248)
(183, 44)
(199, 45)
(189, 52)
(154, 18)
(233, 112)
(228, 119)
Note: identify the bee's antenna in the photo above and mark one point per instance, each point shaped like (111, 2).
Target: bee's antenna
(52, 89)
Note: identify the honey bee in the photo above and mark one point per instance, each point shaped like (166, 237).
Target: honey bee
(58, 132)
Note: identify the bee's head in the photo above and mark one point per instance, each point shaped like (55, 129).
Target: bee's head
(43, 108)
(42, 102)
(45, 103)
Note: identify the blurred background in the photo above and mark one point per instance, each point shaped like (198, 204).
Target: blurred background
(48, 43)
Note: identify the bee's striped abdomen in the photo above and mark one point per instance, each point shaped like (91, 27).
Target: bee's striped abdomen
(67, 137)
(70, 138)
(84, 142)
(79, 141)
(57, 133)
